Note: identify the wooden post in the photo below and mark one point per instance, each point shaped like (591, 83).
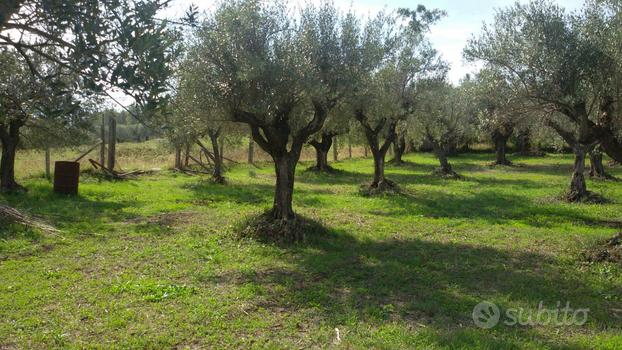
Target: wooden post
(365, 151)
(222, 150)
(178, 157)
(47, 162)
(349, 148)
(187, 155)
(335, 149)
(112, 142)
(102, 149)
(251, 149)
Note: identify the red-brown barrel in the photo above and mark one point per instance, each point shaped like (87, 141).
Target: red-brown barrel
(66, 177)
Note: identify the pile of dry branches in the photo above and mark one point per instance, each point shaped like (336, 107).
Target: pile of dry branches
(12, 215)
(115, 174)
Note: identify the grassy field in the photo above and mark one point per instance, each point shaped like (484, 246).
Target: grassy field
(156, 153)
(155, 263)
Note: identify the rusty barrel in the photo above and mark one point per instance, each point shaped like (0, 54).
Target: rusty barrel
(66, 177)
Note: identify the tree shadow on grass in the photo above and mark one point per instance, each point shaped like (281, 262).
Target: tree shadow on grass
(255, 195)
(560, 169)
(492, 206)
(435, 180)
(338, 177)
(67, 211)
(422, 175)
(414, 282)
(520, 183)
(237, 193)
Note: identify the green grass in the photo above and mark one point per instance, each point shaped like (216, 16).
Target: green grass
(154, 262)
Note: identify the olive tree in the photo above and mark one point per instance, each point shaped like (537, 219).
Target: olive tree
(402, 57)
(280, 77)
(540, 50)
(378, 111)
(197, 116)
(601, 24)
(109, 44)
(444, 118)
(500, 110)
(336, 124)
(345, 42)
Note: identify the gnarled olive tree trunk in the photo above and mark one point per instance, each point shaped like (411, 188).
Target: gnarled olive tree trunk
(379, 178)
(524, 142)
(9, 137)
(187, 154)
(440, 152)
(251, 150)
(597, 169)
(285, 168)
(378, 150)
(578, 187)
(178, 163)
(605, 130)
(399, 148)
(322, 147)
(582, 143)
(217, 156)
(284, 146)
(500, 138)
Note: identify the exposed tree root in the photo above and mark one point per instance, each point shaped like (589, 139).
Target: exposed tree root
(385, 186)
(220, 180)
(605, 177)
(14, 188)
(265, 228)
(587, 198)
(11, 215)
(446, 174)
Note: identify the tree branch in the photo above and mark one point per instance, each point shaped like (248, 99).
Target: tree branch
(568, 136)
(38, 32)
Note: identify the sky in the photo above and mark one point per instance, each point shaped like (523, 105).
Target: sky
(464, 19)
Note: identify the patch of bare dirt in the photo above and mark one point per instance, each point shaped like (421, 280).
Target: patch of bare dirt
(166, 219)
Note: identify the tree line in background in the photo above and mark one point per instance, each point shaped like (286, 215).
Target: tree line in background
(287, 78)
